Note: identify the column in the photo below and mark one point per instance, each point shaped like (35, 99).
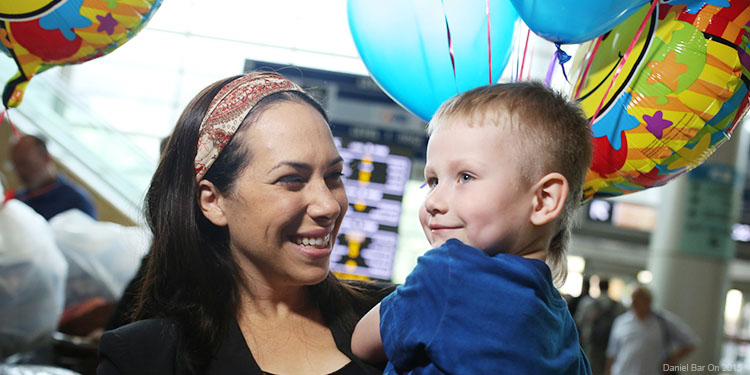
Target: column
(691, 247)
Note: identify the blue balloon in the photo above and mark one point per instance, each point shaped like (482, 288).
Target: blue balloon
(404, 45)
(574, 21)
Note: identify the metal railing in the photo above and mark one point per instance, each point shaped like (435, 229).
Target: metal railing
(97, 153)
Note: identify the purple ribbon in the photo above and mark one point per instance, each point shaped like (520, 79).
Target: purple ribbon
(561, 57)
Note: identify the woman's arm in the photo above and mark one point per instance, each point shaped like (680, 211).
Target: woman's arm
(366, 342)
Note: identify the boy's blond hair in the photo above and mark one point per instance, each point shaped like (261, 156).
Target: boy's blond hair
(551, 134)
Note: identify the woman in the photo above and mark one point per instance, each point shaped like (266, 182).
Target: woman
(245, 206)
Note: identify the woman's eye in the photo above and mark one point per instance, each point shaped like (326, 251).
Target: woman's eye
(335, 175)
(291, 180)
(334, 178)
(465, 177)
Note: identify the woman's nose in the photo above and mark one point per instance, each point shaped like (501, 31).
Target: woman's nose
(324, 204)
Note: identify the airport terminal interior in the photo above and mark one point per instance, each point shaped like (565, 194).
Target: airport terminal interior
(688, 241)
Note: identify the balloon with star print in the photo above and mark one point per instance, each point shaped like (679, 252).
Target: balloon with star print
(680, 95)
(40, 34)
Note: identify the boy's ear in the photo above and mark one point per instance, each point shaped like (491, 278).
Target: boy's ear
(550, 193)
(209, 201)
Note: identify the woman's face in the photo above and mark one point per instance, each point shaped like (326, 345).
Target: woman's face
(286, 207)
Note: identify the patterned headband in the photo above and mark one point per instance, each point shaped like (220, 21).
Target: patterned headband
(227, 111)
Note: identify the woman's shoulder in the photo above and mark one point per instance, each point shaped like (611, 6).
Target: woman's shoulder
(143, 347)
(145, 329)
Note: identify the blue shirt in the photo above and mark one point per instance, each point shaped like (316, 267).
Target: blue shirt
(58, 197)
(463, 312)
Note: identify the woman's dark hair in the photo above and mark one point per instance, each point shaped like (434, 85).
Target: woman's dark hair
(191, 277)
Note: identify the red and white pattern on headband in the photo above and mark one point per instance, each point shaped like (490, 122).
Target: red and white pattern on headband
(227, 111)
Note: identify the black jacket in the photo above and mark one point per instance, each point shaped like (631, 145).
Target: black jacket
(149, 347)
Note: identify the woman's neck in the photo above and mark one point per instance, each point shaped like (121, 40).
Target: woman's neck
(286, 333)
(267, 302)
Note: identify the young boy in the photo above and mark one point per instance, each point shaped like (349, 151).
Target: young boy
(505, 169)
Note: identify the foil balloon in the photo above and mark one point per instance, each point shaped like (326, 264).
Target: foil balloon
(26, 9)
(40, 34)
(422, 52)
(574, 21)
(681, 93)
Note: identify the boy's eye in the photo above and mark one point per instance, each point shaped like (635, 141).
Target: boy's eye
(465, 177)
(431, 182)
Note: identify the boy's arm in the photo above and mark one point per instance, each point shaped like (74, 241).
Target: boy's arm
(366, 341)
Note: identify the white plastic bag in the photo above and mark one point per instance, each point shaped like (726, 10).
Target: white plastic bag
(32, 279)
(102, 256)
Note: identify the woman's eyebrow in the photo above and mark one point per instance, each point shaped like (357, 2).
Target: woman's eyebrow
(335, 161)
(302, 165)
(294, 164)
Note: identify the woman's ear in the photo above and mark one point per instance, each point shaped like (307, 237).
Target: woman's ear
(550, 193)
(209, 201)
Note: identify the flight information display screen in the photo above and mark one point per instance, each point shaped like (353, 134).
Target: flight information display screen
(375, 176)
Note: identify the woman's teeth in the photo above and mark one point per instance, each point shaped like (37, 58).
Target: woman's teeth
(313, 241)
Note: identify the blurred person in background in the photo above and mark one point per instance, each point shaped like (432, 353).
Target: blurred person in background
(576, 301)
(594, 319)
(46, 190)
(647, 342)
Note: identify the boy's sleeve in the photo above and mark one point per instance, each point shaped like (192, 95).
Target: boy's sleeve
(410, 316)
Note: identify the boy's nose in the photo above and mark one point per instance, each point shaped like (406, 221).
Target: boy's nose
(435, 203)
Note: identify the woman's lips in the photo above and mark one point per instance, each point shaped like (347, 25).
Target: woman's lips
(314, 250)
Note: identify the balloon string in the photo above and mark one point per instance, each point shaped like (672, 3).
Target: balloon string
(489, 43)
(588, 66)
(551, 69)
(517, 47)
(531, 60)
(15, 131)
(525, 46)
(625, 57)
(450, 46)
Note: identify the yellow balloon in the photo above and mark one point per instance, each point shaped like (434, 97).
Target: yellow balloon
(26, 9)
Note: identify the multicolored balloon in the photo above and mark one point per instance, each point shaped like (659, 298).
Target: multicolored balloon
(40, 34)
(422, 52)
(682, 91)
(27, 9)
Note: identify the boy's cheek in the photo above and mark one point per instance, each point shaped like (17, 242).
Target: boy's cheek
(423, 217)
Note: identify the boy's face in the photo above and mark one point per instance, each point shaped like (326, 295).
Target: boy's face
(476, 192)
